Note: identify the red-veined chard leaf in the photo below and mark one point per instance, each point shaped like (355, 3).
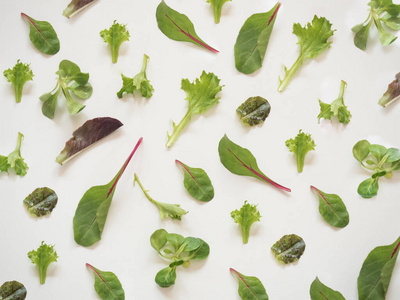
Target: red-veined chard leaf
(289, 248)
(250, 288)
(252, 41)
(91, 213)
(332, 208)
(12, 290)
(89, 133)
(76, 6)
(254, 110)
(43, 35)
(177, 26)
(107, 285)
(319, 291)
(240, 161)
(41, 201)
(197, 183)
(376, 272)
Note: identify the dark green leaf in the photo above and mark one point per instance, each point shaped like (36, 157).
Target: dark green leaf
(107, 285)
(332, 209)
(368, 188)
(175, 240)
(41, 201)
(289, 248)
(177, 26)
(252, 41)
(158, 239)
(254, 110)
(197, 183)
(361, 150)
(201, 252)
(319, 291)
(250, 288)
(166, 277)
(43, 36)
(376, 272)
(91, 213)
(240, 161)
(12, 290)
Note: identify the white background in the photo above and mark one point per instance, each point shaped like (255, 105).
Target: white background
(334, 255)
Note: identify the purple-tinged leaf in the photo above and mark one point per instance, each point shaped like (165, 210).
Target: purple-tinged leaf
(393, 92)
(107, 284)
(76, 6)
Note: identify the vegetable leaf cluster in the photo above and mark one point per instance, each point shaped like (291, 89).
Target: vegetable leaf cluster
(14, 160)
(72, 82)
(18, 76)
(245, 217)
(336, 108)
(300, 146)
(42, 258)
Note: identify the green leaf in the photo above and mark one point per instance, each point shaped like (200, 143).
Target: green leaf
(107, 285)
(393, 155)
(240, 161)
(177, 26)
(289, 248)
(217, 7)
(91, 213)
(391, 22)
(250, 288)
(313, 40)
(245, 217)
(336, 108)
(76, 6)
(4, 165)
(201, 252)
(254, 110)
(43, 36)
(12, 290)
(18, 76)
(368, 188)
(300, 146)
(361, 150)
(332, 208)
(378, 151)
(361, 34)
(158, 239)
(376, 272)
(166, 210)
(175, 240)
(252, 41)
(201, 95)
(192, 243)
(81, 91)
(139, 82)
(41, 201)
(49, 104)
(166, 277)
(197, 183)
(115, 36)
(14, 160)
(42, 258)
(319, 291)
(393, 92)
(325, 111)
(385, 37)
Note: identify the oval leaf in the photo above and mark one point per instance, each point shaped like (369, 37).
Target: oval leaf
(319, 291)
(332, 209)
(43, 36)
(89, 133)
(166, 277)
(41, 201)
(376, 272)
(250, 288)
(368, 188)
(254, 110)
(12, 290)
(289, 248)
(197, 183)
(361, 150)
(107, 285)
(252, 41)
(240, 161)
(177, 26)
(158, 239)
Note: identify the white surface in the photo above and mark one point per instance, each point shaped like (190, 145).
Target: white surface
(334, 255)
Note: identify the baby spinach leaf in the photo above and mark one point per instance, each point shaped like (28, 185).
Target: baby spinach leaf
(76, 6)
(18, 76)
(201, 95)
(43, 35)
(177, 26)
(166, 210)
(368, 188)
(217, 7)
(252, 41)
(91, 213)
(41, 201)
(289, 248)
(392, 93)
(240, 161)
(89, 133)
(107, 285)
(250, 288)
(254, 110)
(376, 272)
(12, 290)
(332, 208)
(319, 291)
(197, 183)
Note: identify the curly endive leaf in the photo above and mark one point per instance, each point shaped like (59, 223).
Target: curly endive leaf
(76, 6)
(89, 133)
(254, 110)
(289, 248)
(41, 201)
(12, 290)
